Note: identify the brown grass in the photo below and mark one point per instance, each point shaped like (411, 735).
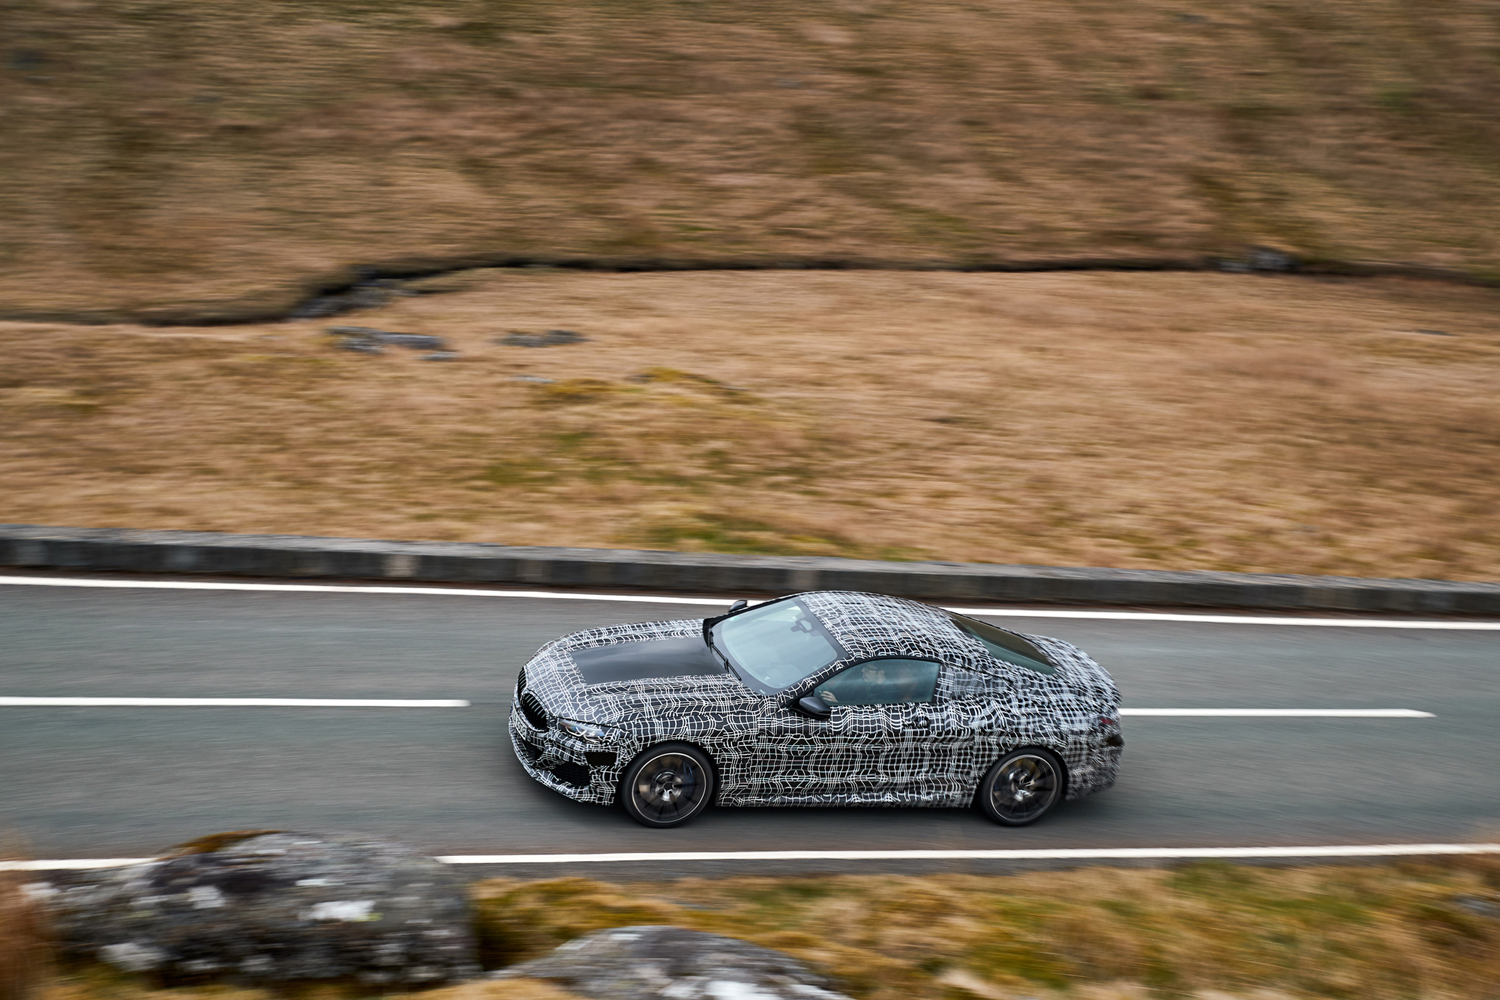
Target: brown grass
(1156, 421)
(162, 157)
(23, 942)
(101, 984)
(1209, 931)
(1204, 930)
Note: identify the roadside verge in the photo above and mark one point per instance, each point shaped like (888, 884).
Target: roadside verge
(140, 551)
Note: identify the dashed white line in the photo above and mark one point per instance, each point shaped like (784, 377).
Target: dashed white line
(17, 702)
(711, 601)
(1038, 854)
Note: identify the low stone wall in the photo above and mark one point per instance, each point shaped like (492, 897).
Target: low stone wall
(137, 551)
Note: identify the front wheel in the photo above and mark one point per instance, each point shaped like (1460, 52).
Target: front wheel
(1022, 787)
(667, 785)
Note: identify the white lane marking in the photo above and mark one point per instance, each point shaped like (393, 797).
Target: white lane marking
(232, 703)
(70, 864)
(567, 595)
(1151, 616)
(1281, 713)
(83, 702)
(1039, 854)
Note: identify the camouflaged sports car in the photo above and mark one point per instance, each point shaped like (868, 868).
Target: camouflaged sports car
(819, 699)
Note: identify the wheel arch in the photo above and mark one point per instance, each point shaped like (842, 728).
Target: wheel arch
(1057, 754)
(713, 762)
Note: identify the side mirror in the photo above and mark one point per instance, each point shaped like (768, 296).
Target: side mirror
(813, 707)
(738, 606)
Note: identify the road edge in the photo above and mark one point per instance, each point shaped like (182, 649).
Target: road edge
(124, 550)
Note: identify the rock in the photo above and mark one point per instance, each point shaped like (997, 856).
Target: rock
(369, 292)
(1267, 259)
(639, 963)
(272, 907)
(551, 338)
(441, 356)
(362, 338)
(415, 341)
(360, 297)
(1262, 259)
(1479, 906)
(534, 379)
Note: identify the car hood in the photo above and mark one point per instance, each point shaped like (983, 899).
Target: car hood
(607, 674)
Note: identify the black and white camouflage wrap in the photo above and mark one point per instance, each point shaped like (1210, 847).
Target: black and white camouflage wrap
(766, 754)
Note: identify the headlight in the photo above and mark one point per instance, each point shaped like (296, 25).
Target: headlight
(585, 730)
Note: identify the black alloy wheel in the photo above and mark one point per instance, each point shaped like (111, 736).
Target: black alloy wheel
(667, 785)
(1022, 787)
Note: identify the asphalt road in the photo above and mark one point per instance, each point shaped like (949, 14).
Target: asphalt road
(110, 782)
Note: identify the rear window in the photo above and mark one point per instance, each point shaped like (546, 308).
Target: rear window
(1007, 647)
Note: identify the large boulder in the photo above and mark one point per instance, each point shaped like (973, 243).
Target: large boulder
(644, 963)
(272, 907)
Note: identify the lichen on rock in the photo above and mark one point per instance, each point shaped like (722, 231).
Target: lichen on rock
(647, 962)
(273, 907)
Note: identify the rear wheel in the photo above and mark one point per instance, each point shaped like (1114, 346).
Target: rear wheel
(667, 785)
(1022, 787)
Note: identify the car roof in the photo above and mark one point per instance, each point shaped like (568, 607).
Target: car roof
(869, 625)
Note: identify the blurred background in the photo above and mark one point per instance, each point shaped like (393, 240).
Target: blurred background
(1157, 284)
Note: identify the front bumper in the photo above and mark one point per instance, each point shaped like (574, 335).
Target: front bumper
(580, 769)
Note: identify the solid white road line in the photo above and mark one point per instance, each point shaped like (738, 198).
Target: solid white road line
(70, 864)
(1281, 713)
(568, 595)
(1151, 616)
(1039, 854)
(69, 702)
(232, 703)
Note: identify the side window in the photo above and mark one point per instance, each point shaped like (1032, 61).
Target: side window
(881, 682)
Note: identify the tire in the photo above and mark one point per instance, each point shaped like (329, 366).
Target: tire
(1022, 788)
(667, 785)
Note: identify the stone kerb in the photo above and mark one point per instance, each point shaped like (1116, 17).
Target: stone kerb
(139, 551)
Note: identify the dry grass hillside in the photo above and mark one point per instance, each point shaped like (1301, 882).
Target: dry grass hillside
(1174, 421)
(172, 158)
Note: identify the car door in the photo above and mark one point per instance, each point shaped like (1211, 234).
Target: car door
(778, 760)
(883, 738)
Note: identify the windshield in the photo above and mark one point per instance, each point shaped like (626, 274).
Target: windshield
(776, 645)
(1007, 647)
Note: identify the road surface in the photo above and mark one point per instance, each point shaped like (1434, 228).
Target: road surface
(125, 782)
